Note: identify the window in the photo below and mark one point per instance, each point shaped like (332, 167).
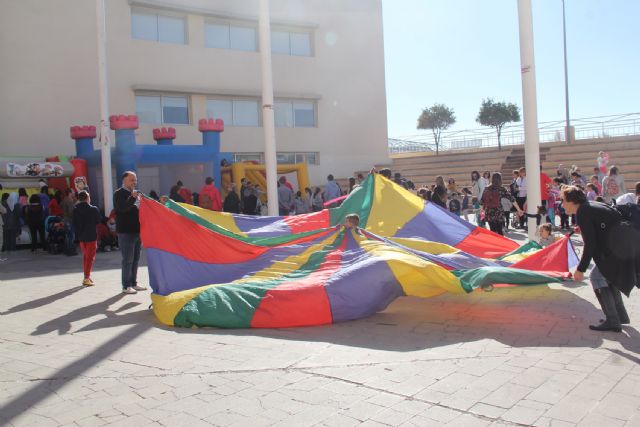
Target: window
(283, 112)
(282, 157)
(245, 113)
(247, 157)
(225, 36)
(148, 109)
(162, 109)
(286, 158)
(297, 114)
(216, 36)
(289, 158)
(219, 109)
(175, 110)
(291, 43)
(170, 29)
(150, 26)
(243, 38)
(280, 42)
(304, 114)
(234, 112)
(301, 44)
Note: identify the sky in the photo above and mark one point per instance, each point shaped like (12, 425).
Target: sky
(458, 52)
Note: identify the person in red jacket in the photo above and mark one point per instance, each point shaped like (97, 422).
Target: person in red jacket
(209, 197)
(55, 208)
(185, 193)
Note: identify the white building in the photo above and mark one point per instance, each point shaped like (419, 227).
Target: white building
(173, 62)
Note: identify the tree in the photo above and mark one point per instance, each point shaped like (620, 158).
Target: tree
(497, 114)
(437, 118)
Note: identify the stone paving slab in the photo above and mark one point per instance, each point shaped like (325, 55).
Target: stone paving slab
(521, 356)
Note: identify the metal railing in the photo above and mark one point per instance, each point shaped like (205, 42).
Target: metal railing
(585, 128)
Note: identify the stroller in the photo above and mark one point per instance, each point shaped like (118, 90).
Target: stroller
(54, 227)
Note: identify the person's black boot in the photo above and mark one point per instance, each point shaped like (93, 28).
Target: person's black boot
(608, 304)
(622, 311)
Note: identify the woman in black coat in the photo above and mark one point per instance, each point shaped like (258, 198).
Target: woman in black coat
(613, 245)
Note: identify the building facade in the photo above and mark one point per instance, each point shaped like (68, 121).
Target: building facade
(173, 62)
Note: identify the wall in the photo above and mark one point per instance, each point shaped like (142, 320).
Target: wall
(49, 76)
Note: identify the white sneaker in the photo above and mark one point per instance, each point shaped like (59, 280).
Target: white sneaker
(129, 290)
(140, 288)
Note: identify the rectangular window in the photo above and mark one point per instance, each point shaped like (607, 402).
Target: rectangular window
(148, 109)
(144, 26)
(175, 110)
(312, 158)
(291, 43)
(216, 35)
(247, 157)
(243, 38)
(283, 114)
(220, 109)
(163, 28)
(225, 36)
(157, 109)
(286, 158)
(304, 114)
(300, 44)
(280, 42)
(237, 112)
(171, 29)
(245, 113)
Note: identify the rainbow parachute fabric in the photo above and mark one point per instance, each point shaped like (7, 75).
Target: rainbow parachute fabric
(234, 271)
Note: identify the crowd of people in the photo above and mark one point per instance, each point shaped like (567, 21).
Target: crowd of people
(569, 199)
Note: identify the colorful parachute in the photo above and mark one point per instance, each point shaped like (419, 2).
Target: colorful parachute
(235, 271)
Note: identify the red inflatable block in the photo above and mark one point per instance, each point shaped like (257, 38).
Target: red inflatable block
(216, 125)
(164, 133)
(78, 132)
(123, 122)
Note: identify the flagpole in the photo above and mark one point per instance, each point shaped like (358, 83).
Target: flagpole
(104, 135)
(268, 122)
(530, 114)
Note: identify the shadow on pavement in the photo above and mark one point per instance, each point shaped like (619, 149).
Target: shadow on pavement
(64, 322)
(44, 388)
(40, 302)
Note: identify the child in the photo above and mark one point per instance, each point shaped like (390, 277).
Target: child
(351, 221)
(603, 161)
(454, 204)
(507, 205)
(591, 192)
(476, 208)
(299, 204)
(564, 218)
(596, 183)
(545, 235)
(552, 197)
(107, 239)
(86, 217)
(465, 202)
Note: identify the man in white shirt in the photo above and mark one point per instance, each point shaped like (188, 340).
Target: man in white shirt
(331, 191)
(629, 197)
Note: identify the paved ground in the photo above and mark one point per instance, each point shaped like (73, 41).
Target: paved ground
(523, 356)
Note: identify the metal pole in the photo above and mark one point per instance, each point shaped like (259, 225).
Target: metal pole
(530, 113)
(104, 135)
(567, 130)
(268, 123)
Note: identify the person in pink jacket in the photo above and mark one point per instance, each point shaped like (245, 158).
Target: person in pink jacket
(209, 197)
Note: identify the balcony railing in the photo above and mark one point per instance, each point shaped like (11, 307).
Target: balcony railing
(586, 128)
